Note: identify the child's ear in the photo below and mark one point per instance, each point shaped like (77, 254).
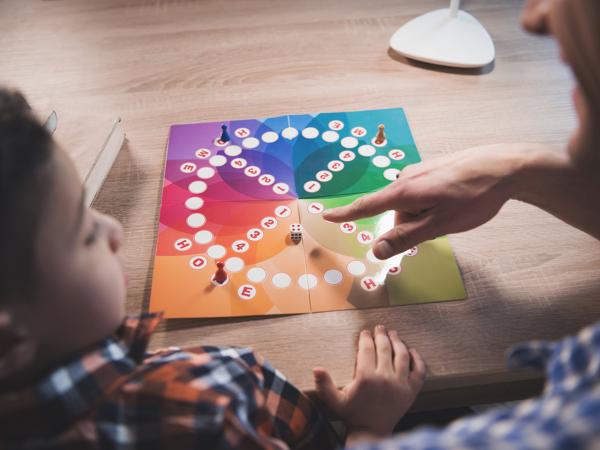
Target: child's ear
(17, 346)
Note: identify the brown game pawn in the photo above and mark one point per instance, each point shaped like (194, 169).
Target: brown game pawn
(380, 138)
(220, 276)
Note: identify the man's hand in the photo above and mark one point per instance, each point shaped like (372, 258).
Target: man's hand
(386, 381)
(445, 195)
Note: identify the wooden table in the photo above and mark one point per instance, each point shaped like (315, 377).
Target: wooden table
(155, 63)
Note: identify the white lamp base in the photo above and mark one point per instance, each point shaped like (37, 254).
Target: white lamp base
(440, 38)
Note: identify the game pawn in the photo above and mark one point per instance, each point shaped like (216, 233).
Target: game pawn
(220, 277)
(224, 134)
(296, 232)
(380, 138)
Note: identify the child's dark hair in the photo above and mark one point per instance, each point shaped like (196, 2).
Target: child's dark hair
(25, 154)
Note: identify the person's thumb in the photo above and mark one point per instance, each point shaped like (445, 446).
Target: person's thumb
(326, 390)
(404, 236)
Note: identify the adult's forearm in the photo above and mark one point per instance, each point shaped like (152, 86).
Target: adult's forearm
(553, 182)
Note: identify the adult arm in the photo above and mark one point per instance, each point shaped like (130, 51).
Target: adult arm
(462, 191)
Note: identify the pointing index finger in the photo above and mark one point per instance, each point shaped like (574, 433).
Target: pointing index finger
(367, 205)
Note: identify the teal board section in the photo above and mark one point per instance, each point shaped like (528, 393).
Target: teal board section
(348, 139)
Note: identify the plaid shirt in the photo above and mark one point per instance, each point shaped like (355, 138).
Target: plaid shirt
(566, 416)
(116, 396)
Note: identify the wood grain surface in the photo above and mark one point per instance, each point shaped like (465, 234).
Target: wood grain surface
(155, 63)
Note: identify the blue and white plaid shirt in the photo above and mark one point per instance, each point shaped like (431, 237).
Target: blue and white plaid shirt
(565, 416)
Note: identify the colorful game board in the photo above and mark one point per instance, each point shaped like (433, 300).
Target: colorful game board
(234, 202)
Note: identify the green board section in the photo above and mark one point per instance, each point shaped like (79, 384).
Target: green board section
(430, 275)
(365, 170)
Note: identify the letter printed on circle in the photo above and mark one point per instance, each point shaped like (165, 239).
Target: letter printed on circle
(238, 163)
(368, 284)
(324, 176)
(269, 223)
(203, 153)
(246, 292)
(336, 125)
(255, 234)
(312, 186)
(335, 166)
(394, 270)
(188, 167)
(396, 154)
(347, 156)
(198, 262)
(283, 211)
(183, 244)
(412, 251)
(281, 188)
(316, 208)
(364, 237)
(242, 132)
(252, 171)
(266, 179)
(240, 246)
(348, 227)
(358, 131)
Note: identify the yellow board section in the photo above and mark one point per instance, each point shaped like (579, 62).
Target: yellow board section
(348, 276)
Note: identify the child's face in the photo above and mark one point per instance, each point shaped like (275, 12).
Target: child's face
(80, 285)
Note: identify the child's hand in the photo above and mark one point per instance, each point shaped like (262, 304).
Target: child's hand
(387, 378)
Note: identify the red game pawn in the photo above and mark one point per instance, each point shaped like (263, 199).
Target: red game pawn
(220, 276)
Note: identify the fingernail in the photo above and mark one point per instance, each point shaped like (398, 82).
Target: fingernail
(383, 250)
(380, 327)
(367, 332)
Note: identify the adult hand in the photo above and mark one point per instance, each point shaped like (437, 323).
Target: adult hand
(445, 195)
(385, 384)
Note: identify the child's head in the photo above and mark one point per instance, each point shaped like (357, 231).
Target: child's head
(62, 286)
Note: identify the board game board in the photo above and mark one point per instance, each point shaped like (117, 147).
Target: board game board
(235, 201)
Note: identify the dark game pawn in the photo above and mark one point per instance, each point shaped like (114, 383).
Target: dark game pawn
(224, 134)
